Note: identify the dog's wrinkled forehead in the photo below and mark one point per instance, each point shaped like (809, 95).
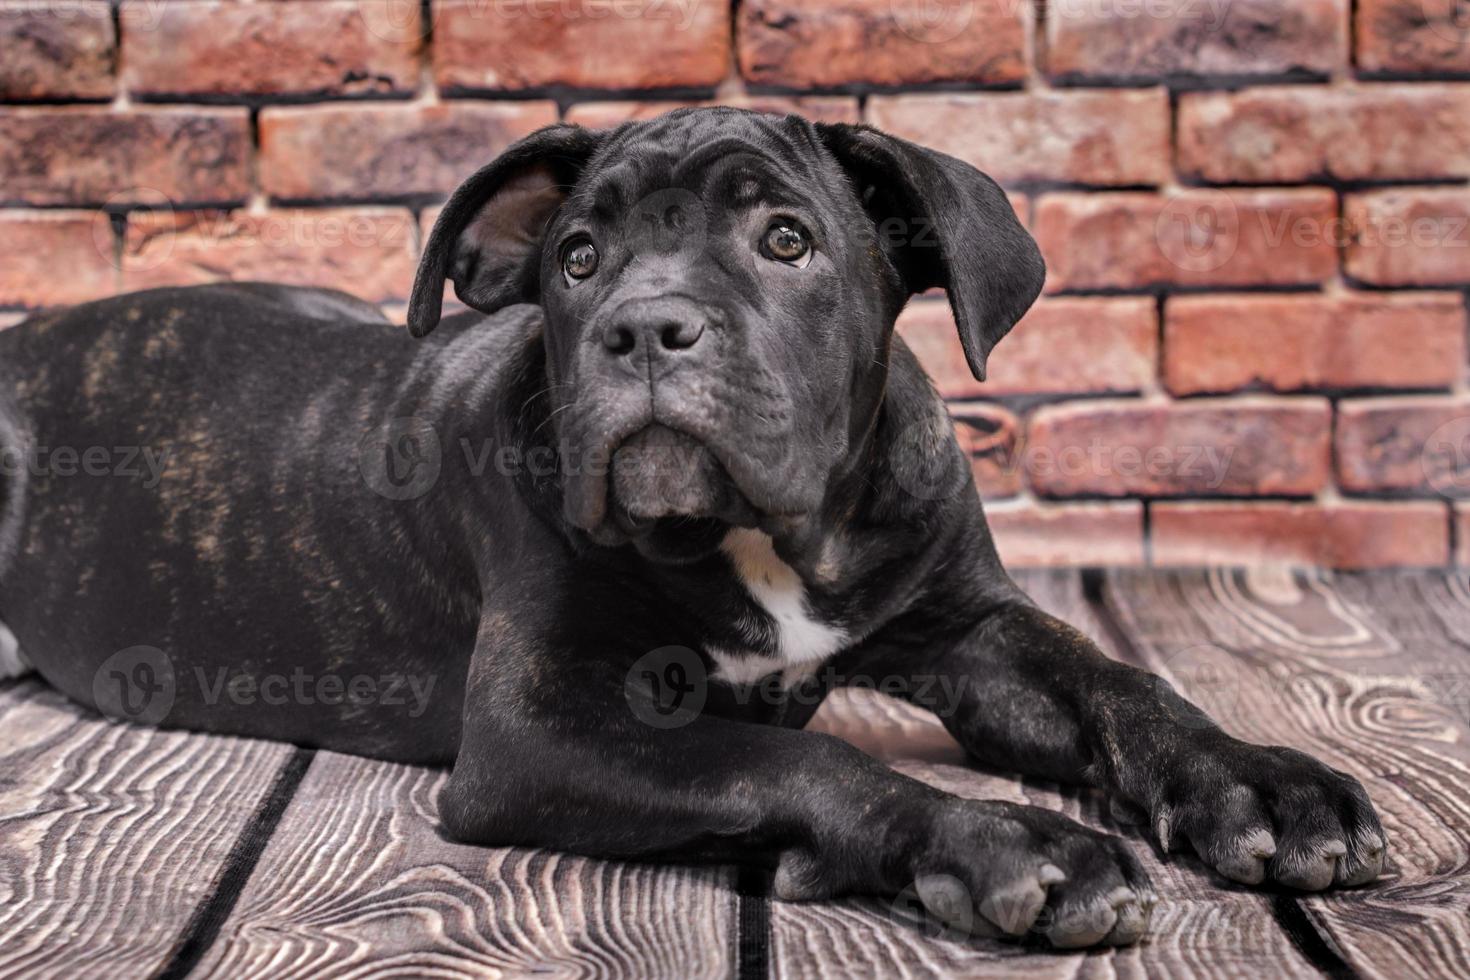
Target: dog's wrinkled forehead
(919, 218)
(760, 159)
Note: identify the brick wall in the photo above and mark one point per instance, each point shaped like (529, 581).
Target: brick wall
(1252, 341)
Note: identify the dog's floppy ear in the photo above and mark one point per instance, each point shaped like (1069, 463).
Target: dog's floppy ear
(945, 224)
(487, 238)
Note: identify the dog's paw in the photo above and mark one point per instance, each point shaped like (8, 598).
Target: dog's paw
(1036, 873)
(1258, 813)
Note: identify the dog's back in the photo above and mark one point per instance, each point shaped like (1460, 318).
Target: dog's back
(178, 469)
(94, 337)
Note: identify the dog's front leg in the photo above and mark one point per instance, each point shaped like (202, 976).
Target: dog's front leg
(1026, 692)
(553, 754)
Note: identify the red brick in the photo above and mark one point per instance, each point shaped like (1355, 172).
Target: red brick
(56, 51)
(510, 45)
(1408, 236)
(1255, 446)
(1405, 445)
(334, 47)
(1233, 37)
(36, 244)
(1067, 535)
(830, 43)
(991, 436)
(819, 108)
(1021, 204)
(1407, 36)
(368, 252)
(1461, 516)
(353, 151)
(1107, 137)
(1359, 534)
(1194, 237)
(1313, 342)
(1062, 346)
(1296, 133)
(93, 155)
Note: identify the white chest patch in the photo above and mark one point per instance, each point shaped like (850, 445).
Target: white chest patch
(802, 641)
(12, 663)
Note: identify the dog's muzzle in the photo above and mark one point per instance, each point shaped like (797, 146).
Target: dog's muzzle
(660, 472)
(691, 427)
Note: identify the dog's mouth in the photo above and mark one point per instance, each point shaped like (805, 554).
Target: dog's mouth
(675, 477)
(659, 472)
(671, 496)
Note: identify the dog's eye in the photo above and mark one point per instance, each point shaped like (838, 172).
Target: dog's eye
(785, 241)
(580, 259)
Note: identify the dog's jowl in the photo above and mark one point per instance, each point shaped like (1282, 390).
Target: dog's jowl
(673, 450)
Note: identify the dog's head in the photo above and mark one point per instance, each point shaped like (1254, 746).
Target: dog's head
(720, 289)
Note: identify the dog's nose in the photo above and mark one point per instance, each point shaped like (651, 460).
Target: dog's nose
(654, 332)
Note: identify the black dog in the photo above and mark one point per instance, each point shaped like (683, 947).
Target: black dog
(587, 548)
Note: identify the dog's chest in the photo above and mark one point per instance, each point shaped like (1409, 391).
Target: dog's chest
(782, 630)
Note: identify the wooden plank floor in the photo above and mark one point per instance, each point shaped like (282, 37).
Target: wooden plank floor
(129, 852)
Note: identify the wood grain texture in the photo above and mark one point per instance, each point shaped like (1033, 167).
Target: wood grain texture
(1367, 673)
(110, 834)
(1200, 928)
(358, 882)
